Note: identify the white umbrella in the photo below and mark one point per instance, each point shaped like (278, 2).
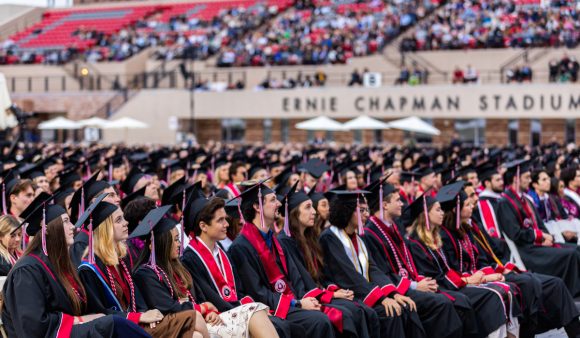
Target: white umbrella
(365, 122)
(59, 123)
(126, 123)
(320, 123)
(414, 124)
(6, 121)
(94, 122)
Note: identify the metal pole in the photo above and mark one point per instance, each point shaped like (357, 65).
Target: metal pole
(192, 100)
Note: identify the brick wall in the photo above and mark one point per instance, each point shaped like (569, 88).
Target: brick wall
(447, 128)
(524, 132)
(553, 130)
(496, 132)
(76, 106)
(208, 130)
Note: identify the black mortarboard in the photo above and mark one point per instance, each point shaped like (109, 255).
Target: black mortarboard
(408, 176)
(232, 209)
(254, 169)
(294, 198)
(32, 171)
(196, 201)
(43, 197)
(413, 210)
(283, 177)
(133, 177)
(349, 197)
(422, 172)
(49, 161)
(448, 194)
(515, 167)
(174, 190)
(374, 190)
(155, 220)
(96, 213)
(486, 171)
(132, 196)
(76, 201)
(315, 196)
(68, 178)
(315, 167)
(61, 194)
(251, 196)
(40, 208)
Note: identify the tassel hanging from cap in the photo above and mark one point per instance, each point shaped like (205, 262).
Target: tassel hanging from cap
(43, 225)
(361, 229)
(368, 177)
(152, 259)
(4, 209)
(89, 174)
(382, 214)
(458, 213)
(111, 171)
(24, 237)
(517, 179)
(91, 242)
(240, 211)
(286, 219)
(426, 211)
(261, 205)
(82, 203)
(183, 234)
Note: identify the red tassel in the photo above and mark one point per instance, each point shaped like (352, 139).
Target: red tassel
(43, 225)
(426, 211)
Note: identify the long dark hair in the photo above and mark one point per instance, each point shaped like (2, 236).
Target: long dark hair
(450, 223)
(308, 244)
(171, 266)
(59, 258)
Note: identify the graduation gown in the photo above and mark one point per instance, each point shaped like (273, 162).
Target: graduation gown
(101, 294)
(369, 284)
(522, 223)
(207, 290)
(487, 306)
(6, 265)
(355, 317)
(462, 256)
(37, 305)
(547, 303)
(79, 246)
(278, 295)
(492, 226)
(390, 252)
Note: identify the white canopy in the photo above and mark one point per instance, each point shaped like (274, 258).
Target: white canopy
(126, 123)
(321, 123)
(414, 124)
(59, 123)
(365, 122)
(6, 120)
(94, 122)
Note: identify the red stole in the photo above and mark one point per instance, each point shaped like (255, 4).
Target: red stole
(276, 278)
(488, 218)
(223, 282)
(530, 217)
(404, 195)
(232, 188)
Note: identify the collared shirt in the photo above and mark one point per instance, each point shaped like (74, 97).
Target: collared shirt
(268, 237)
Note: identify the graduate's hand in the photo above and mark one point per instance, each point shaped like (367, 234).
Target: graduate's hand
(310, 304)
(427, 285)
(344, 294)
(569, 236)
(404, 301)
(213, 318)
(88, 318)
(391, 307)
(476, 279)
(547, 240)
(210, 307)
(151, 317)
(494, 277)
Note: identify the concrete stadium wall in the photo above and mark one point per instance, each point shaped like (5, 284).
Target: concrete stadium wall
(15, 18)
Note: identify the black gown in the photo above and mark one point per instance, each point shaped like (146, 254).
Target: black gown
(37, 305)
(206, 290)
(356, 317)
(5, 266)
(390, 252)
(497, 242)
(562, 261)
(467, 262)
(100, 297)
(370, 289)
(79, 246)
(487, 306)
(255, 283)
(547, 302)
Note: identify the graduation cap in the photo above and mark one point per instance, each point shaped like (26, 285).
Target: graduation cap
(352, 196)
(133, 196)
(233, 209)
(515, 169)
(254, 170)
(61, 194)
(8, 184)
(283, 177)
(196, 201)
(486, 170)
(419, 205)
(155, 222)
(39, 214)
(423, 171)
(315, 196)
(49, 161)
(32, 171)
(291, 201)
(94, 216)
(451, 197)
(255, 194)
(176, 189)
(315, 167)
(131, 180)
(378, 190)
(408, 176)
(80, 198)
(69, 177)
